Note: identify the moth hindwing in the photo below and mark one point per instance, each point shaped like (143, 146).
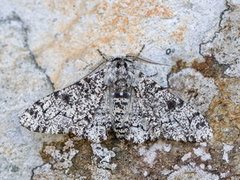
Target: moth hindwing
(119, 97)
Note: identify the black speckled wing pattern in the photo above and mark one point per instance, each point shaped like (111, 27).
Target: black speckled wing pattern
(80, 108)
(158, 112)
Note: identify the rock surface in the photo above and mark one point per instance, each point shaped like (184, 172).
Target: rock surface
(47, 45)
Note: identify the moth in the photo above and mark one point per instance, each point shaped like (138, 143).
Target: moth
(121, 98)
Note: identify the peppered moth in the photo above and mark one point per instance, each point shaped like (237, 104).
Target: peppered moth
(121, 98)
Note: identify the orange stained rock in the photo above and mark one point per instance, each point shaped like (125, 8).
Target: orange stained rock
(121, 20)
(223, 113)
(178, 35)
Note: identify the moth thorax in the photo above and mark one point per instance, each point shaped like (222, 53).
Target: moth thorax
(121, 83)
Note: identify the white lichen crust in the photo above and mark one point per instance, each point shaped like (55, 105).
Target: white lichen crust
(118, 97)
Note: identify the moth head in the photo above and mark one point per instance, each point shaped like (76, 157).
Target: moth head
(128, 59)
(121, 62)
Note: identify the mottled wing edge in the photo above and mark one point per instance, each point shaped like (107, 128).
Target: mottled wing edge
(177, 120)
(44, 115)
(193, 127)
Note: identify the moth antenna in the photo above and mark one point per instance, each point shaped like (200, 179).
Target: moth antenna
(100, 64)
(135, 56)
(104, 56)
(138, 57)
(143, 59)
(141, 50)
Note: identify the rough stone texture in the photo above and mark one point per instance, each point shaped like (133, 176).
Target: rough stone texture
(194, 88)
(47, 45)
(21, 83)
(224, 45)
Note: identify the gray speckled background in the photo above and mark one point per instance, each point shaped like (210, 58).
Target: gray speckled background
(47, 45)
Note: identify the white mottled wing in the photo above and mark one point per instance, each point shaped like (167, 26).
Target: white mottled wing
(158, 112)
(80, 108)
